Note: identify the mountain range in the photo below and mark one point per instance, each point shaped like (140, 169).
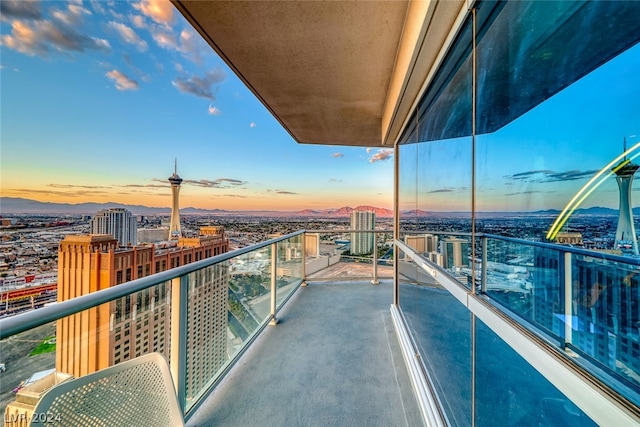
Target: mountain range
(17, 205)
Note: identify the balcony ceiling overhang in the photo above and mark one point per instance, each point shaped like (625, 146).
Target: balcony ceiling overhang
(325, 69)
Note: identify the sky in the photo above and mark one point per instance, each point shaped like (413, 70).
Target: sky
(99, 97)
(542, 159)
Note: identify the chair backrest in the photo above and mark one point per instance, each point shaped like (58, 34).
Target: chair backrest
(138, 392)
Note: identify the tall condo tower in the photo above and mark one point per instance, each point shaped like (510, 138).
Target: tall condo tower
(625, 233)
(362, 243)
(174, 227)
(118, 222)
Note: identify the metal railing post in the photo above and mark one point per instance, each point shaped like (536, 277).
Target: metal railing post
(274, 269)
(483, 278)
(375, 280)
(396, 223)
(178, 350)
(568, 299)
(304, 259)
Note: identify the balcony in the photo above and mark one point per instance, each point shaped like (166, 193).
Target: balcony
(461, 345)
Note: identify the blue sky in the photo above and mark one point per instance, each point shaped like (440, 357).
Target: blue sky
(99, 97)
(543, 158)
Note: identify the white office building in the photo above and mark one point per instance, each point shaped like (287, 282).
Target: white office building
(362, 243)
(118, 222)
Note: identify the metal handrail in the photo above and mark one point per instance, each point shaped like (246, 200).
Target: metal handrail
(32, 319)
(561, 248)
(570, 249)
(348, 231)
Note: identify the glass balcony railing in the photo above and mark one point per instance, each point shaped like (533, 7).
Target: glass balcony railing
(582, 300)
(584, 304)
(331, 254)
(201, 316)
(576, 304)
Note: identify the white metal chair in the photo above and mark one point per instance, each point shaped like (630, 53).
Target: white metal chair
(138, 392)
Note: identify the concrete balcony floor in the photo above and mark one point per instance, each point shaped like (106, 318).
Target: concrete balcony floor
(333, 360)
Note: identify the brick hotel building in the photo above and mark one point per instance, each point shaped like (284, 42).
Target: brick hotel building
(138, 324)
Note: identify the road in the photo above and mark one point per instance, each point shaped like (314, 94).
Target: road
(14, 352)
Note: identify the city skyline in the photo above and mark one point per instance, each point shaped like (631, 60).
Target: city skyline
(99, 98)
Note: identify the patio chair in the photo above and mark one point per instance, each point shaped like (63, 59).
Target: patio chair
(138, 392)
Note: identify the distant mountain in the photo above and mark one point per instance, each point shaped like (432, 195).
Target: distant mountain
(17, 205)
(417, 213)
(599, 210)
(344, 211)
(547, 212)
(308, 212)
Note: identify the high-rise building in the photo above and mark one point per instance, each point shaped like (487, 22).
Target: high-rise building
(362, 243)
(417, 243)
(174, 227)
(118, 222)
(431, 242)
(626, 239)
(424, 243)
(138, 324)
(455, 252)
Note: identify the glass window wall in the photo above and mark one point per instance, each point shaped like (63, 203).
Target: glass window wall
(531, 203)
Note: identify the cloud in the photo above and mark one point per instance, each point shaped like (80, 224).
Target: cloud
(381, 155)
(45, 36)
(72, 193)
(529, 192)
(337, 155)
(188, 42)
(335, 180)
(546, 175)
(192, 46)
(165, 39)
(281, 192)
(97, 6)
(160, 11)
(72, 16)
(21, 9)
(448, 190)
(122, 81)
(118, 16)
(129, 36)
(218, 183)
(146, 186)
(214, 111)
(137, 21)
(73, 186)
(252, 125)
(200, 86)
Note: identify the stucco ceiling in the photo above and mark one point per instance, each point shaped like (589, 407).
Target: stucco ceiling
(322, 68)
